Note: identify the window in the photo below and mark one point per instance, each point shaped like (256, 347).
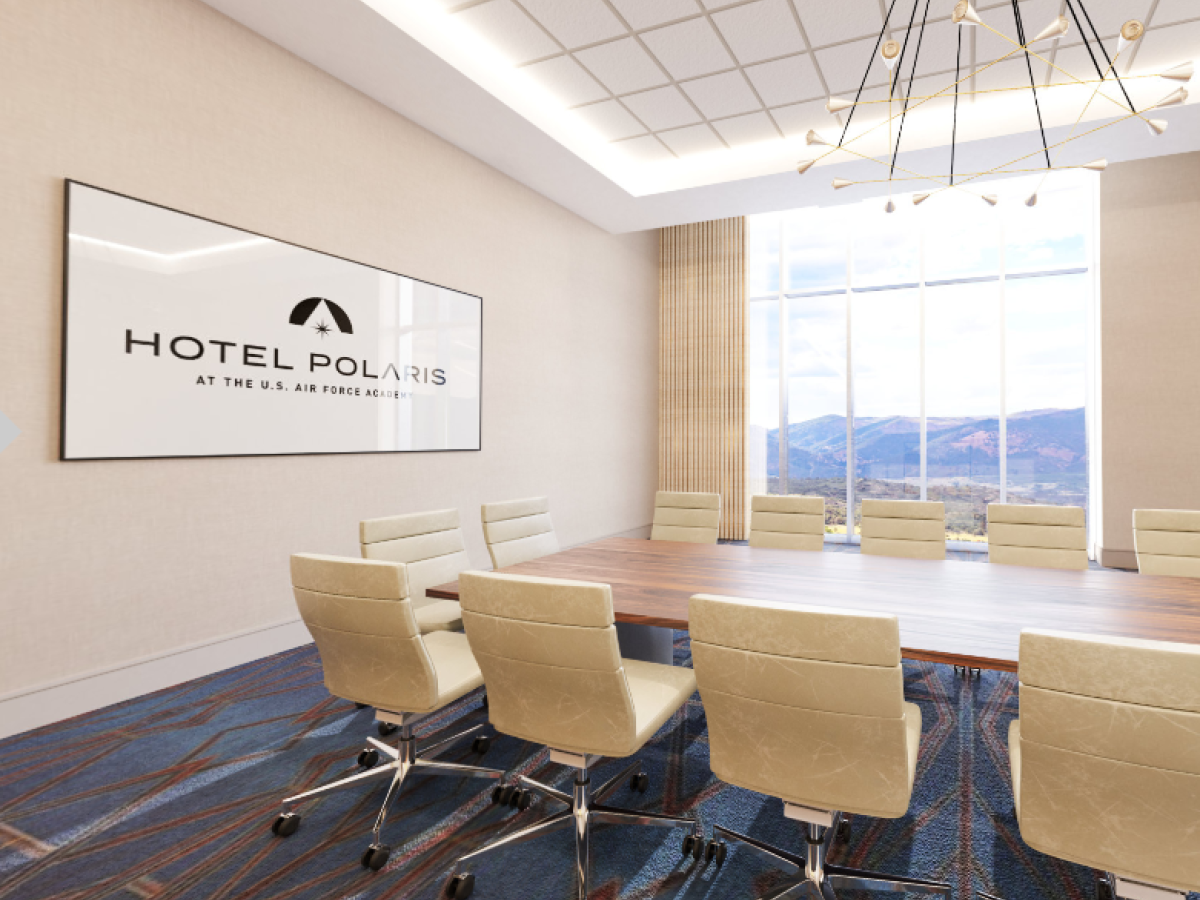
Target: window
(939, 352)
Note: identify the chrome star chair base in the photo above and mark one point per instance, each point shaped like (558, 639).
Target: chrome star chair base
(402, 760)
(584, 807)
(820, 880)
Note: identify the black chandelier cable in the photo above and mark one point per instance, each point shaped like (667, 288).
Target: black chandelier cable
(1032, 83)
(863, 83)
(954, 129)
(1100, 44)
(912, 74)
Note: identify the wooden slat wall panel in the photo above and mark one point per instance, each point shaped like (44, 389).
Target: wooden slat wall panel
(702, 365)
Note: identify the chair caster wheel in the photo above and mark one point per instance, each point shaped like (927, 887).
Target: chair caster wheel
(386, 728)
(376, 857)
(368, 758)
(844, 831)
(460, 886)
(519, 798)
(639, 782)
(692, 846)
(360, 706)
(502, 796)
(1104, 890)
(481, 745)
(285, 825)
(715, 852)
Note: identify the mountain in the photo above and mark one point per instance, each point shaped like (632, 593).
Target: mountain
(1045, 444)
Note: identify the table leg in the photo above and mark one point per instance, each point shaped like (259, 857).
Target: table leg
(646, 642)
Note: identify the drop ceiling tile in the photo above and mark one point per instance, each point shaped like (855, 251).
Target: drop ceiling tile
(717, 4)
(622, 66)
(939, 48)
(751, 129)
(786, 80)
(800, 118)
(567, 80)
(645, 149)
(648, 13)
(576, 22)
(509, 30)
(762, 30)
(722, 95)
(1165, 48)
(688, 49)
(843, 66)
(694, 139)
(1170, 11)
(662, 108)
(831, 23)
(611, 120)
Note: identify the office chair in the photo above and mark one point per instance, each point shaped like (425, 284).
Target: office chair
(691, 517)
(517, 531)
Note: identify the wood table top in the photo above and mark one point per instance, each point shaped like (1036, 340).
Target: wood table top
(950, 611)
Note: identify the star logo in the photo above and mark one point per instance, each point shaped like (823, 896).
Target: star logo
(322, 328)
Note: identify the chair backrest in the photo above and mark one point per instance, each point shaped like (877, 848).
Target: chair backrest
(430, 544)
(912, 528)
(549, 656)
(1167, 541)
(787, 523)
(359, 613)
(804, 703)
(517, 531)
(680, 516)
(1110, 754)
(1050, 537)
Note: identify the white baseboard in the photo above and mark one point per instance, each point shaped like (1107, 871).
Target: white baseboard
(33, 707)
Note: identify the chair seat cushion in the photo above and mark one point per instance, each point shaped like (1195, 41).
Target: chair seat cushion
(457, 672)
(438, 615)
(657, 692)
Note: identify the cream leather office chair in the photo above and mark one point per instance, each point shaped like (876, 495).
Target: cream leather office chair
(518, 530)
(548, 651)
(807, 704)
(688, 517)
(1106, 759)
(360, 615)
(910, 528)
(430, 544)
(787, 523)
(1167, 542)
(1049, 537)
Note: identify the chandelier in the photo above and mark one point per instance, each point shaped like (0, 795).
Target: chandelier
(901, 101)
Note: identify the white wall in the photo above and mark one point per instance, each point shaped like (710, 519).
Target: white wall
(106, 563)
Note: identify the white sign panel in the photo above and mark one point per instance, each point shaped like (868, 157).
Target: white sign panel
(183, 337)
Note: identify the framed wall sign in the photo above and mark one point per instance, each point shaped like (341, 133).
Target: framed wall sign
(185, 337)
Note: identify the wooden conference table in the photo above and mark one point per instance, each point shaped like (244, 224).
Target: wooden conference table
(967, 614)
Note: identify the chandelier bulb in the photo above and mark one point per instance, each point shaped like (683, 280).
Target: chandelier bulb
(964, 14)
(890, 54)
(1175, 99)
(991, 199)
(1180, 73)
(918, 199)
(1157, 126)
(804, 165)
(891, 206)
(813, 138)
(1130, 32)
(837, 104)
(1032, 201)
(1054, 30)
(839, 183)
(1096, 165)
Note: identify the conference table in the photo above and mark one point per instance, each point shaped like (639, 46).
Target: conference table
(962, 613)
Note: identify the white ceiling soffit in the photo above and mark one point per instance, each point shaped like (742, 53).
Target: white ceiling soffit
(643, 113)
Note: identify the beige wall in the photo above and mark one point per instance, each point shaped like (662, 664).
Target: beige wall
(167, 100)
(1150, 343)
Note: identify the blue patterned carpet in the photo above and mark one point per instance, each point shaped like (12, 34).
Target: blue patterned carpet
(171, 795)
